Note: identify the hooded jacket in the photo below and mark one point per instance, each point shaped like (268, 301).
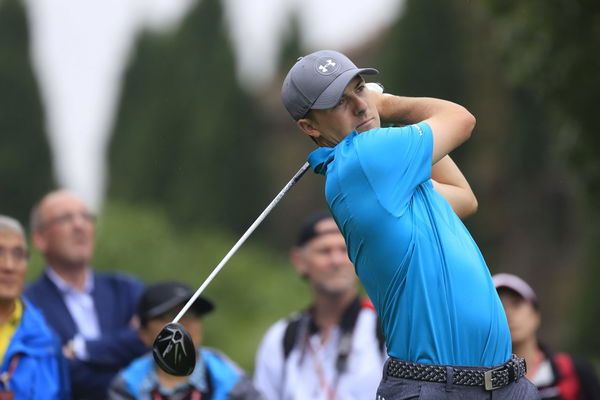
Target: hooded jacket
(40, 370)
(226, 380)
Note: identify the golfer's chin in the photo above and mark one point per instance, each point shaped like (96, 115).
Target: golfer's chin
(369, 124)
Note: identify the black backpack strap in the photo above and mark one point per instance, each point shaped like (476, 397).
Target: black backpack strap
(347, 324)
(290, 336)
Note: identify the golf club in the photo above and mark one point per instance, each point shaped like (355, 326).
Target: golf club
(173, 349)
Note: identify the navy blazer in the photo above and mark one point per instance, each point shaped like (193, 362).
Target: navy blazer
(115, 299)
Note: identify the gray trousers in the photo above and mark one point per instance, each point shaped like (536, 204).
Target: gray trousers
(392, 388)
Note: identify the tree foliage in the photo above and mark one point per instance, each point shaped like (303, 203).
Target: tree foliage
(25, 170)
(186, 134)
(553, 50)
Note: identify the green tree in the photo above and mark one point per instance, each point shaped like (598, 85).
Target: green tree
(186, 136)
(553, 50)
(25, 170)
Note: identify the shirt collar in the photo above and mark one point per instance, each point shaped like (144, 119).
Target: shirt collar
(66, 288)
(320, 158)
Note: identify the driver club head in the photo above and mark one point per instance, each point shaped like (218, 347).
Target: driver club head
(174, 351)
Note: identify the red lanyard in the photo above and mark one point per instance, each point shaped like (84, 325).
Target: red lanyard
(347, 325)
(328, 389)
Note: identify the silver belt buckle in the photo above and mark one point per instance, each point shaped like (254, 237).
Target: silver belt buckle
(487, 380)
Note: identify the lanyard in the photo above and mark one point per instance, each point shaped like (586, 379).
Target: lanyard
(347, 325)
(328, 389)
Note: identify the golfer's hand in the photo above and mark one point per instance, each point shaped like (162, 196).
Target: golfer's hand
(376, 93)
(385, 108)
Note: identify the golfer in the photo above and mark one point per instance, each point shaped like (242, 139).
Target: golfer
(397, 196)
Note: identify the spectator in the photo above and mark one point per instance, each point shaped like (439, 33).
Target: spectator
(214, 377)
(558, 376)
(90, 311)
(334, 349)
(33, 367)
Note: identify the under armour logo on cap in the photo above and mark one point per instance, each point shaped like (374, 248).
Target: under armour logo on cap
(317, 81)
(327, 66)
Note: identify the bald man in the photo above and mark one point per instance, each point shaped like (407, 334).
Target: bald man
(91, 312)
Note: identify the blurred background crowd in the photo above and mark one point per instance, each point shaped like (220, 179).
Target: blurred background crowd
(193, 154)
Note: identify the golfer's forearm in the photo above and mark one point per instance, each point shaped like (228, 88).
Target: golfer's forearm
(449, 181)
(446, 171)
(463, 204)
(410, 110)
(451, 124)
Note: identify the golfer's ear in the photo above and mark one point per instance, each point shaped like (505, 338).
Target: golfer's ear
(308, 126)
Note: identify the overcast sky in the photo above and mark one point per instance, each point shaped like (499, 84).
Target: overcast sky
(80, 49)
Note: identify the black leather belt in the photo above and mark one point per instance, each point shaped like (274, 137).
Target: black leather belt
(490, 378)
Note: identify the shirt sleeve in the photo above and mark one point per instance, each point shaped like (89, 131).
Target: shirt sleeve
(396, 161)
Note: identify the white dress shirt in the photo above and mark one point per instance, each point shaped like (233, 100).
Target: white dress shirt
(80, 304)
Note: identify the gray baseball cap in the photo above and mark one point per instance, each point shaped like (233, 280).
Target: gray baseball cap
(317, 81)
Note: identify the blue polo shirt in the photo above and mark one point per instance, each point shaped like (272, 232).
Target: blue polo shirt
(417, 261)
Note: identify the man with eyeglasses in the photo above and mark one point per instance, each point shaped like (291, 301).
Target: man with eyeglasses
(91, 312)
(31, 363)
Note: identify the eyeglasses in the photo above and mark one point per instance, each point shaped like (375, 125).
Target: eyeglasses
(16, 253)
(68, 218)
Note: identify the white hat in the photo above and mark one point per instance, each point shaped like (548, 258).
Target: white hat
(517, 285)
